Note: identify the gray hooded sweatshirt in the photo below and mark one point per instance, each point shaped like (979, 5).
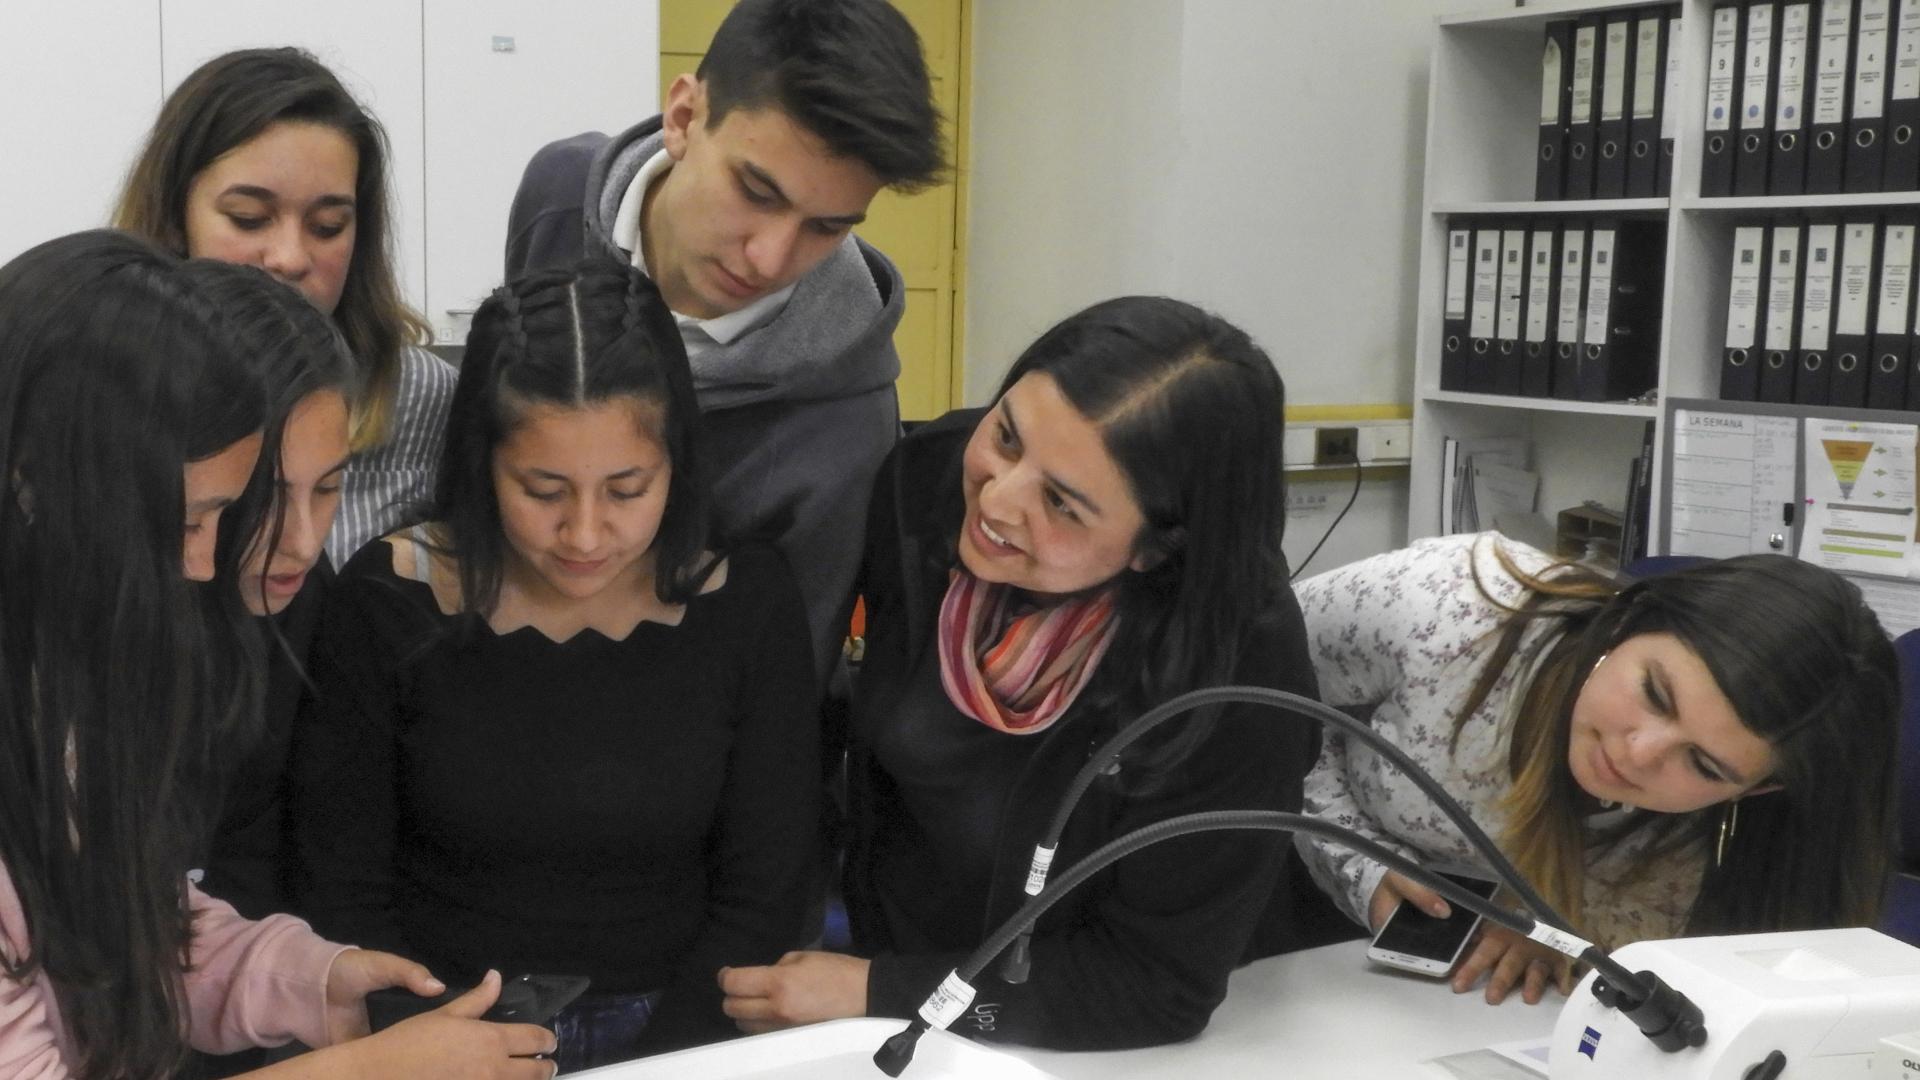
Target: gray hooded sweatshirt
(798, 412)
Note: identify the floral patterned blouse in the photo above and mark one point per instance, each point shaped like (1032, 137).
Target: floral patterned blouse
(1404, 634)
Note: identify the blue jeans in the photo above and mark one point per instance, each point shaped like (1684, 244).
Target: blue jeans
(602, 1029)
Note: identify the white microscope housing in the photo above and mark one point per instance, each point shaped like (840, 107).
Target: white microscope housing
(1824, 998)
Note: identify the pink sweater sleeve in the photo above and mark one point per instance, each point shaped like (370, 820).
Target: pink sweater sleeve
(255, 983)
(252, 984)
(33, 1040)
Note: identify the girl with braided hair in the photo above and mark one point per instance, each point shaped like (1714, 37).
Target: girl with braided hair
(558, 729)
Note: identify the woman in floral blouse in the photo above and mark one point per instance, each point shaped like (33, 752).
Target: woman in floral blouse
(1709, 751)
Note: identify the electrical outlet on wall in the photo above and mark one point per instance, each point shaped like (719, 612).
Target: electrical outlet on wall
(1336, 446)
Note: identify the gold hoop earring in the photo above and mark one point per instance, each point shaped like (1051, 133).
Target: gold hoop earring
(1729, 826)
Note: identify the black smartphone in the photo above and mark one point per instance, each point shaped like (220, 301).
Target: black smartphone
(1415, 941)
(524, 999)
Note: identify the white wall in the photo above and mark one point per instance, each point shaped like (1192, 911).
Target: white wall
(1261, 158)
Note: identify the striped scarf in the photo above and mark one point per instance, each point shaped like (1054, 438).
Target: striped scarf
(1017, 670)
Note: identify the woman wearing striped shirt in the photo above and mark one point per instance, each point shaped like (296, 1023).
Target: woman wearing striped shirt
(262, 157)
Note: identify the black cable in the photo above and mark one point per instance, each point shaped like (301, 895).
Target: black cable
(956, 992)
(1337, 518)
(1106, 757)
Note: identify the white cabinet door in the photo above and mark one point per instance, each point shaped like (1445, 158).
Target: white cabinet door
(504, 78)
(372, 45)
(79, 86)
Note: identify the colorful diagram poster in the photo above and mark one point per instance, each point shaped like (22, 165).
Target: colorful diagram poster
(1860, 497)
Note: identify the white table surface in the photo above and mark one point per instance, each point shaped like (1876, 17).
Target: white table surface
(1322, 1014)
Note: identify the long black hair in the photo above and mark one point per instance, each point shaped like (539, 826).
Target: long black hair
(574, 337)
(1806, 666)
(295, 352)
(1193, 412)
(114, 683)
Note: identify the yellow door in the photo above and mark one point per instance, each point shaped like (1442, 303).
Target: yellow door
(921, 233)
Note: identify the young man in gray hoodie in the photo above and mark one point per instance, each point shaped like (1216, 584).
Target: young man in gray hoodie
(738, 201)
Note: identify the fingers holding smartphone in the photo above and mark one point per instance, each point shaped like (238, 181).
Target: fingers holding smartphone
(1422, 933)
(1395, 888)
(453, 1042)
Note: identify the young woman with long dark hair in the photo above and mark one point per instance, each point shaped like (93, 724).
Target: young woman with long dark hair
(1104, 536)
(1708, 751)
(560, 729)
(129, 426)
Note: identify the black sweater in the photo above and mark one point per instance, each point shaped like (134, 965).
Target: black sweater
(248, 864)
(1140, 954)
(640, 811)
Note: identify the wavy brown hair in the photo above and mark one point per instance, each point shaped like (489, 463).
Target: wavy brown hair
(227, 102)
(1806, 666)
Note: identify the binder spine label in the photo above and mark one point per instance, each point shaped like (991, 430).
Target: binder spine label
(1726, 47)
(1573, 258)
(1550, 83)
(1646, 66)
(1906, 54)
(1459, 257)
(1896, 280)
(1539, 285)
(1856, 275)
(1830, 84)
(1759, 41)
(1583, 42)
(1816, 312)
(1743, 295)
(1793, 67)
(1486, 282)
(1668, 114)
(1513, 254)
(1613, 88)
(1782, 279)
(1599, 287)
(1870, 62)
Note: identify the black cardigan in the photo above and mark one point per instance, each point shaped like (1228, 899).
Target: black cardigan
(1140, 954)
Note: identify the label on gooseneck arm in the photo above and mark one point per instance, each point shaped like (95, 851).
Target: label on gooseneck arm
(948, 1002)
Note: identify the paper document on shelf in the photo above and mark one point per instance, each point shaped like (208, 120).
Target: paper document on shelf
(1860, 497)
(1897, 603)
(1732, 483)
(1460, 512)
(1501, 491)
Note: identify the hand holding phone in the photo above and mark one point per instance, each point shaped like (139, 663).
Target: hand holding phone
(1412, 940)
(524, 999)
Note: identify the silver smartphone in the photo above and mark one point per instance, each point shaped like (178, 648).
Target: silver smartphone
(1415, 941)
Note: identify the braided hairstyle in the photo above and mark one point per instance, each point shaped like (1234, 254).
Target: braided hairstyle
(573, 338)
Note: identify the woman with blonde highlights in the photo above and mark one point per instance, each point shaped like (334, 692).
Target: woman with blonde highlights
(262, 157)
(1705, 751)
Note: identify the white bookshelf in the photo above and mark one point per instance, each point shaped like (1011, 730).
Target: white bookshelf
(1483, 103)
